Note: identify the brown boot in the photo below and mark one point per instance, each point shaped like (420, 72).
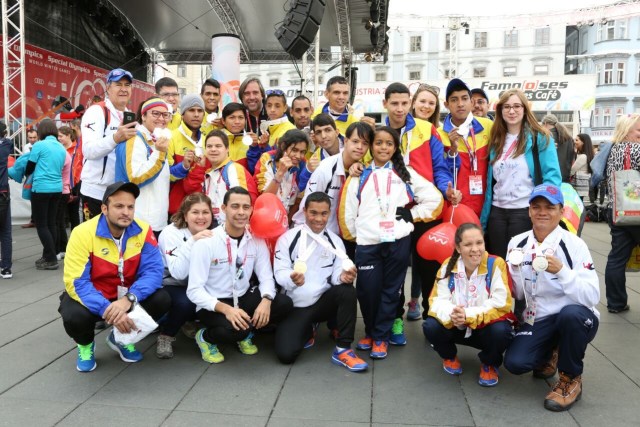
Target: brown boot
(548, 369)
(564, 393)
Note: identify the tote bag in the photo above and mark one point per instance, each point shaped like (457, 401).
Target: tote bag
(626, 193)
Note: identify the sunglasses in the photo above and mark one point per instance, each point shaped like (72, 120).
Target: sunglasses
(276, 92)
(435, 89)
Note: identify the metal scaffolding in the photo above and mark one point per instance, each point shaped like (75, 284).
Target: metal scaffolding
(15, 110)
(344, 33)
(228, 17)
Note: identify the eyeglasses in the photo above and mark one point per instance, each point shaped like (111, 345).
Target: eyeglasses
(436, 89)
(158, 114)
(274, 92)
(170, 95)
(515, 107)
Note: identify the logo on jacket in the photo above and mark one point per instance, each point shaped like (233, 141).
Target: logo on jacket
(89, 126)
(215, 261)
(104, 251)
(588, 265)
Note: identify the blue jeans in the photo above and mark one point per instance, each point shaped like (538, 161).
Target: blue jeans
(182, 310)
(623, 240)
(492, 340)
(572, 329)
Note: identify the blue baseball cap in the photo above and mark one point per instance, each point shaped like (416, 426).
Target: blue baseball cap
(549, 192)
(118, 74)
(456, 85)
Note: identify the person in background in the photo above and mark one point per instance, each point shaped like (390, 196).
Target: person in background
(327, 140)
(46, 161)
(625, 149)
(192, 222)
(62, 217)
(300, 111)
(581, 168)
(234, 121)
(425, 104)
(564, 144)
(6, 248)
(471, 305)
(75, 151)
(512, 170)
(32, 138)
(167, 89)
(252, 96)
(210, 94)
(480, 103)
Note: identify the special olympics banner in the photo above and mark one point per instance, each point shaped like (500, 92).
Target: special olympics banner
(49, 75)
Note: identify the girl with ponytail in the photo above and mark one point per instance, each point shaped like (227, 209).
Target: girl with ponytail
(471, 304)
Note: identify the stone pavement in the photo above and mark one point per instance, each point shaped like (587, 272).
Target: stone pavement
(39, 384)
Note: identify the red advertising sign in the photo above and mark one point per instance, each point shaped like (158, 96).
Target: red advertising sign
(49, 75)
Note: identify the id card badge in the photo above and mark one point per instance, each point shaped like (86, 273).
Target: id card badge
(475, 184)
(387, 231)
(122, 290)
(529, 314)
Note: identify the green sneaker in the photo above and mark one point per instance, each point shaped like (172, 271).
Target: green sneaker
(210, 352)
(397, 333)
(246, 346)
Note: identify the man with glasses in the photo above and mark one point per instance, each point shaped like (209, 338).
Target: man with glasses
(230, 308)
(102, 131)
(480, 103)
(167, 89)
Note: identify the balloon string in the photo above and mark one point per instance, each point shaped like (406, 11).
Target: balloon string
(455, 187)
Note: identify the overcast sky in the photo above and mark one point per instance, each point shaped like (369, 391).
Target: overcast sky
(488, 7)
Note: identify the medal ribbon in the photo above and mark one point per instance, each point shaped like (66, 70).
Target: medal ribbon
(239, 270)
(383, 211)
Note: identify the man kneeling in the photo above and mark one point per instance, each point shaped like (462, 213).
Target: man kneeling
(229, 307)
(313, 269)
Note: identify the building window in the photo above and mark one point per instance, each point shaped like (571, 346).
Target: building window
(447, 41)
(638, 75)
(619, 113)
(274, 82)
(583, 43)
(511, 38)
(321, 79)
(541, 70)
(479, 72)
(596, 117)
(620, 73)
(480, 39)
(447, 73)
(381, 76)
(415, 44)
(612, 30)
(621, 29)
(599, 73)
(415, 75)
(182, 91)
(542, 36)
(608, 73)
(509, 71)
(182, 70)
(606, 117)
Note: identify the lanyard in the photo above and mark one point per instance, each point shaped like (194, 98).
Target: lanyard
(239, 269)
(190, 138)
(324, 243)
(286, 197)
(473, 160)
(510, 151)
(461, 279)
(383, 211)
(206, 187)
(146, 144)
(405, 156)
(304, 251)
(118, 243)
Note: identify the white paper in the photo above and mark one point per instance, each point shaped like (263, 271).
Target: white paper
(144, 326)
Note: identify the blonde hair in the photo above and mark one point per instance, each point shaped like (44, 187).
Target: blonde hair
(435, 117)
(529, 124)
(623, 127)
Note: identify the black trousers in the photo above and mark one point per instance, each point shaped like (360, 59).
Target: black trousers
(61, 224)
(423, 271)
(79, 322)
(44, 207)
(6, 240)
(91, 207)
(502, 225)
(220, 330)
(338, 302)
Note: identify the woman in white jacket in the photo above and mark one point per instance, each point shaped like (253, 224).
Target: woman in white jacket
(190, 223)
(378, 210)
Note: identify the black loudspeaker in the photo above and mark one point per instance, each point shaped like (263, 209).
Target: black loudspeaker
(300, 26)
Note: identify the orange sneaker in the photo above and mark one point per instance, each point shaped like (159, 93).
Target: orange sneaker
(379, 349)
(349, 360)
(488, 376)
(365, 343)
(452, 366)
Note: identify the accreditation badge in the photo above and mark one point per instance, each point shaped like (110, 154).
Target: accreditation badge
(387, 231)
(475, 185)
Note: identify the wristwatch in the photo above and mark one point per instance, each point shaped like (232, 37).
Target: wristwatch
(132, 299)
(269, 297)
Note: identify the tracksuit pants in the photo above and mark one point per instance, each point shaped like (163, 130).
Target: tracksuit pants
(381, 273)
(572, 329)
(338, 303)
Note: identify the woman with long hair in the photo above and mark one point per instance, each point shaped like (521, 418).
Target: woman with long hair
(518, 147)
(425, 104)
(373, 211)
(190, 223)
(69, 139)
(471, 305)
(564, 144)
(625, 149)
(581, 168)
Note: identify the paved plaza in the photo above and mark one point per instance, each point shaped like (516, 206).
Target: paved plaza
(39, 385)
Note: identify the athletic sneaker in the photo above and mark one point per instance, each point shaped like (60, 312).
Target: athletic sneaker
(488, 376)
(312, 340)
(100, 325)
(164, 346)
(365, 343)
(397, 333)
(246, 346)
(6, 273)
(189, 329)
(128, 353)
(349, 360)
(413, 312)
(210, 352)
(86, 361)
(48, 265)
(452, 366)
(379, 349)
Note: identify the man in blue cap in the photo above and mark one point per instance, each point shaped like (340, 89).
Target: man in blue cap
(553, 272)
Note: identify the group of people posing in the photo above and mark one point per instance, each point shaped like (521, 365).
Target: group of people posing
(358, 199)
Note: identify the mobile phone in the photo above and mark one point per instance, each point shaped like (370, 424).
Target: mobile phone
(128, 117)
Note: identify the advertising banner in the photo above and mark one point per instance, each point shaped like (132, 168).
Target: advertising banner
(225, 65)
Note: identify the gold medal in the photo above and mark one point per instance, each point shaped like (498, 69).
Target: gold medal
(300, 267)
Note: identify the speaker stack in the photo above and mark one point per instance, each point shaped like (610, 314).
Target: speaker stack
(300, 26)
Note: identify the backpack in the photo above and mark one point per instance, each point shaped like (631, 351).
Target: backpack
(490, 261)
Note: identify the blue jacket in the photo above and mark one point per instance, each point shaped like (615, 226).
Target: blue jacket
(49, 156)
(548, 164)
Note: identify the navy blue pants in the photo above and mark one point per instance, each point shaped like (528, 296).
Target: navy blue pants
(6, 240)
(381, 272)
(572, 329)
(182, 310)
(492, 340)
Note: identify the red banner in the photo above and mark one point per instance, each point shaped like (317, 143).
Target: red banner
(48, 75)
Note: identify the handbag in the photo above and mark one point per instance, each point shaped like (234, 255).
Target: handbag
(26, 187)
(626, 193)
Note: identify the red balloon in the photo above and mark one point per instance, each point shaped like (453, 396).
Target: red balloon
(438, 243)
(11, 161)
(269, 218)
(461, 214)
